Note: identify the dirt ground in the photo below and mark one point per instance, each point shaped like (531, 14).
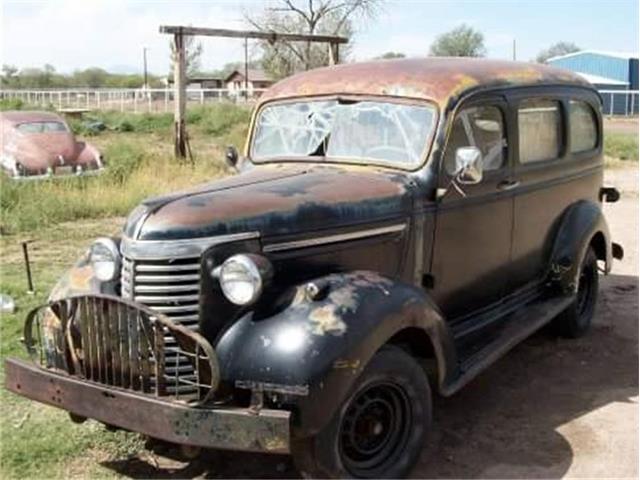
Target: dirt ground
(550, 408)
(621, 125)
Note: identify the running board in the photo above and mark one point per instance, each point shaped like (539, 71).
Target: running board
(519, 325)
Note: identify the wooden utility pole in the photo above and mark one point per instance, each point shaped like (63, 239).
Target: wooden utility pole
(179, 68)
(246, 68)
(180, 96)
(334, 53)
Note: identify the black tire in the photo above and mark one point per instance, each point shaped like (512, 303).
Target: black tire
(379, 431)
(576, 319)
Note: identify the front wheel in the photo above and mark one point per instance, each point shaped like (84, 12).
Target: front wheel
(576, 319)
(380, 429)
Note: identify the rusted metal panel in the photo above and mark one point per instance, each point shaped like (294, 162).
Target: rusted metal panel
(329, 337)
(116, 342)
(29, 148)
(436, 79)
(225, 428)
(298, 198)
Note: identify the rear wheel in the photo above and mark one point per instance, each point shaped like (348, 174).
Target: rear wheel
(576, 319)
(380, 429)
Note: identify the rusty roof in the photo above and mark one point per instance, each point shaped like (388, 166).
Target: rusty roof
(20, 116)
(434, 78)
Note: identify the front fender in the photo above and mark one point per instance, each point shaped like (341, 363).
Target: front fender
(321, 345)
(80, 279)
(580, 224)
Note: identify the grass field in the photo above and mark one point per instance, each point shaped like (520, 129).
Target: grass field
(139, 153)
(62, 217)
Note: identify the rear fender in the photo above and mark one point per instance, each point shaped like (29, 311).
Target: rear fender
(317, 345)
(88, 155)
(581, 223)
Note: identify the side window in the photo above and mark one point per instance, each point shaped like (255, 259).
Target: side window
(540, 130)
(583, 126)
(481, 127)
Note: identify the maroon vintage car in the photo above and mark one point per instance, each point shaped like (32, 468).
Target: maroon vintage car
(41, 143)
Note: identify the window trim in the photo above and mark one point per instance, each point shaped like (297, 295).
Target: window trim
(424, 156)
(564, 129)
(599, 135)
(493, 101)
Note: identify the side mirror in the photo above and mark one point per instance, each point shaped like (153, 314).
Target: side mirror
(468, 165)
(231, 157)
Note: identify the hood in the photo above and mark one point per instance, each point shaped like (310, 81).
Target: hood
(276, 200)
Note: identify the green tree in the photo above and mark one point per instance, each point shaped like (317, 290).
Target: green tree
(555, 50)
(315, 17)
(93, 77)
(390, 56)
(10, 76)
(462, 41)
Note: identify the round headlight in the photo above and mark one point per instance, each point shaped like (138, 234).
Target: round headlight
(242, 277)
(105, 259)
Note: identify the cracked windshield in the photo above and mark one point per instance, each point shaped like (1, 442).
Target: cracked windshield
(390, 133)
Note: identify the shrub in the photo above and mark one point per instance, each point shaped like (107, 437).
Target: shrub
(11, 104)
(219, 118)
(621, 146)
(123, 158)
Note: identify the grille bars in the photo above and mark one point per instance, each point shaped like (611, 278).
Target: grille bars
(116, 342)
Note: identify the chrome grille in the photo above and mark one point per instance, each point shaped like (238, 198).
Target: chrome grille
(171, 287)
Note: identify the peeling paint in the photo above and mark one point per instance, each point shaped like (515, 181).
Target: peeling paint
(325, 320)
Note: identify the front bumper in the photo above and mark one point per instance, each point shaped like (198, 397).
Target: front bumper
(224, 428)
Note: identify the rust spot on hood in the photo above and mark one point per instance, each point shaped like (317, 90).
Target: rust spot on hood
(278, 201)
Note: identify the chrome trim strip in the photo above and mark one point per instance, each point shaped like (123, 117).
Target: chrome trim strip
(339, 237)
(174, 249)
(146, 268)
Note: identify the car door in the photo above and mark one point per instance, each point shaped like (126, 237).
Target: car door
(472, 238)
(549, 176)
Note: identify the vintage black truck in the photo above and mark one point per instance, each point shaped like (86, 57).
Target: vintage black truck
(395, 228)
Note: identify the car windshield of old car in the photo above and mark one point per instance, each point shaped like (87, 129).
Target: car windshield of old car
(42, 127)
(362, 131)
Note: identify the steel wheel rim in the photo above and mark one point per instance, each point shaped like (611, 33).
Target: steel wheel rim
(375, 429)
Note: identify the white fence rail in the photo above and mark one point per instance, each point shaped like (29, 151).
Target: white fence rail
(151, 100)
(615, 102)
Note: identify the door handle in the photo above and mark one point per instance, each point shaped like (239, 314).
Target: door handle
(508, 185)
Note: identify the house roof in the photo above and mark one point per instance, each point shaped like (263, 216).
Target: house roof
(622, 55)
(434, 78)
(254, 74)
(597, 79)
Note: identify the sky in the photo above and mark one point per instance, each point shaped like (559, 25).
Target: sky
(111, 34)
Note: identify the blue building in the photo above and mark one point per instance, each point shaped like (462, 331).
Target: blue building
(609, 71)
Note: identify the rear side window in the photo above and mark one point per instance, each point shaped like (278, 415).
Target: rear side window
(583, 127)
(42, 127)
(540, 130)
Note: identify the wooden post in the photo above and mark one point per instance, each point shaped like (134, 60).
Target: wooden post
(334, 53)
(246, 69)
(179, 80)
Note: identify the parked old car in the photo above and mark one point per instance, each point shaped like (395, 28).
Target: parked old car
(41, 144)
(396, 227)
